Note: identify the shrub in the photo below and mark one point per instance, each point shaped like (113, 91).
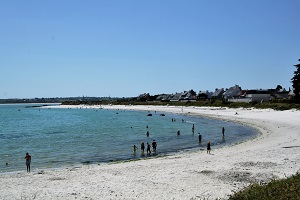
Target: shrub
(277, 189)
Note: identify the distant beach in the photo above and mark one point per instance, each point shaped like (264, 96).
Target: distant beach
(187, 175)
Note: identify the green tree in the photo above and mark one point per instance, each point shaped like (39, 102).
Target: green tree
(296, 82)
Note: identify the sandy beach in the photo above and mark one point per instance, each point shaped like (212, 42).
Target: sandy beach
(273, 154)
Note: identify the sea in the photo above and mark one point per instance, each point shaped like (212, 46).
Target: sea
(62, 137)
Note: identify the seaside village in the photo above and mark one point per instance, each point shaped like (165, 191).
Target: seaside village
(232, 94)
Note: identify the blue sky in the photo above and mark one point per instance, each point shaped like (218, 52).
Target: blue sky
(123, 48)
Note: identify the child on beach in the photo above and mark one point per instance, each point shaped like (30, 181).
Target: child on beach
(208, 147)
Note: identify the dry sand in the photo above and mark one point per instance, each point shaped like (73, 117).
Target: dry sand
(190, 175)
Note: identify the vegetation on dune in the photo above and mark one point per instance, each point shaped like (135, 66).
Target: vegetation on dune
(288, 188)
(276, 104)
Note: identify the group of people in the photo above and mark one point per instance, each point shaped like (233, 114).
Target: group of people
(154, 145)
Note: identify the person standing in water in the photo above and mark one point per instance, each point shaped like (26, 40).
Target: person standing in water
(28, 161)
(223, 131)
(148, 148)
(154, 144)
(142, 147)
(193, 128)
(200, 137)
(208, 147)
(134, 149)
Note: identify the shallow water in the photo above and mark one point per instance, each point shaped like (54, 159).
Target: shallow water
(66, 137)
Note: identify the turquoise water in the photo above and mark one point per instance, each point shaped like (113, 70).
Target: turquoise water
(66, 137)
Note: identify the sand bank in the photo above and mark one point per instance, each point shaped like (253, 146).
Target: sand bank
(191, 175)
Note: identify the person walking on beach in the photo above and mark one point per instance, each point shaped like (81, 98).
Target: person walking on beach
(223, 131)
(148, 148)
(154, 145)
(208, 147)
(142, 147)
(28, 161)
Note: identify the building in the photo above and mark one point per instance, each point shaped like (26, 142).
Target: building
(175, 97)
(204, 95)
(232, 93)
(257, 96)
(163, 97)
(218, 94)
(188, 96)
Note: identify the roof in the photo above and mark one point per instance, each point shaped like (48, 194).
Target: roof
(218, 92)
(233, 91)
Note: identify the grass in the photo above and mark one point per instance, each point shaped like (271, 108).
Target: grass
(288, 188)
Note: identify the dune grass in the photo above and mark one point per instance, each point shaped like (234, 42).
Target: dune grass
(276, 104)
(288, 188)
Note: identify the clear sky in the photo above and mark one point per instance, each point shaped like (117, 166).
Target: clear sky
(123, 48)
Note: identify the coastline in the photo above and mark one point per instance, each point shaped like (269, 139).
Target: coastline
(186, 175)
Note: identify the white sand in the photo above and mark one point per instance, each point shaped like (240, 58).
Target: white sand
(191, 175)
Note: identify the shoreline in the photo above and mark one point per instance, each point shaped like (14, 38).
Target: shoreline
(192, 144)
(183, 175)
